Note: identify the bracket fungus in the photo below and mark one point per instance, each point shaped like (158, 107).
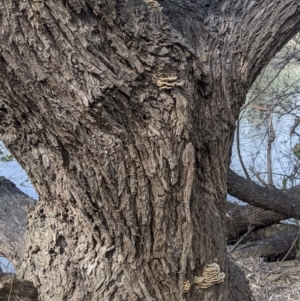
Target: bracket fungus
(211, 275)
(186, 286)
(168, 82)
(154, 4)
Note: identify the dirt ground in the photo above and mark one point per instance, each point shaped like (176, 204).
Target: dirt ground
(272, 281)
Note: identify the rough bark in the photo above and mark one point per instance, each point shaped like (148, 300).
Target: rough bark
(268, 232)
(256, 221)
(275, 245)
(122, 113)
(239, 287)
(13, 219)
(11, 288)
(241, 218)
(285, 202)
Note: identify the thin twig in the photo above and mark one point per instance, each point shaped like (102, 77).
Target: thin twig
(258, 177)
(11, 285)
(241, 239)
(239, 150)
(285, 256)
(270, 272)
(296, 123)
(271, 138)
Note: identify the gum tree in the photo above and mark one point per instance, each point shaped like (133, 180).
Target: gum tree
(123, 113)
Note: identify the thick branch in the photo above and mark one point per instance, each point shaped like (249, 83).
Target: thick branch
(271, 231)
(241, 218)
(266, 247)
(276, 22)
(280, 201)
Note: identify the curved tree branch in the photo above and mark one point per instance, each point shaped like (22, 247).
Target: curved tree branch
(241, 218)
(277, 22)
(286, 203)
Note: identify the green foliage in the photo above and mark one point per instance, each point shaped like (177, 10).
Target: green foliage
(7, 158)
(296, 150)
(284, 182)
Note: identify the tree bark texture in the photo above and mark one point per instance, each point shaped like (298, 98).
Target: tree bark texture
(122, 113)
(240, 290)
(13, 218)
(268, 232)
(285, 202)
(275, 245)
(11, 288)
(241, 218)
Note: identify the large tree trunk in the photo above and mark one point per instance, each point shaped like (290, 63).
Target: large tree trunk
(122, 113)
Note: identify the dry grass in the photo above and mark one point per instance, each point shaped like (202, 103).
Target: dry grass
(273, 281)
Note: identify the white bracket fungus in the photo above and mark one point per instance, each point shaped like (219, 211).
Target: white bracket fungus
(168, 83)
(186, 286)
(211, 275)
(154, 4)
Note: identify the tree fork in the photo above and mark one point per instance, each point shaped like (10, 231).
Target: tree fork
(122, 113)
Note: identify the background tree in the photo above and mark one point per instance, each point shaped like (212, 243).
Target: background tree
(266, 134)
(266, 147)
(123, 113)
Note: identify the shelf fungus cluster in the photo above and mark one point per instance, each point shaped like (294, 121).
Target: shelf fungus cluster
(168, 83)
(154, 4)
(211, 275)
(186, 286)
